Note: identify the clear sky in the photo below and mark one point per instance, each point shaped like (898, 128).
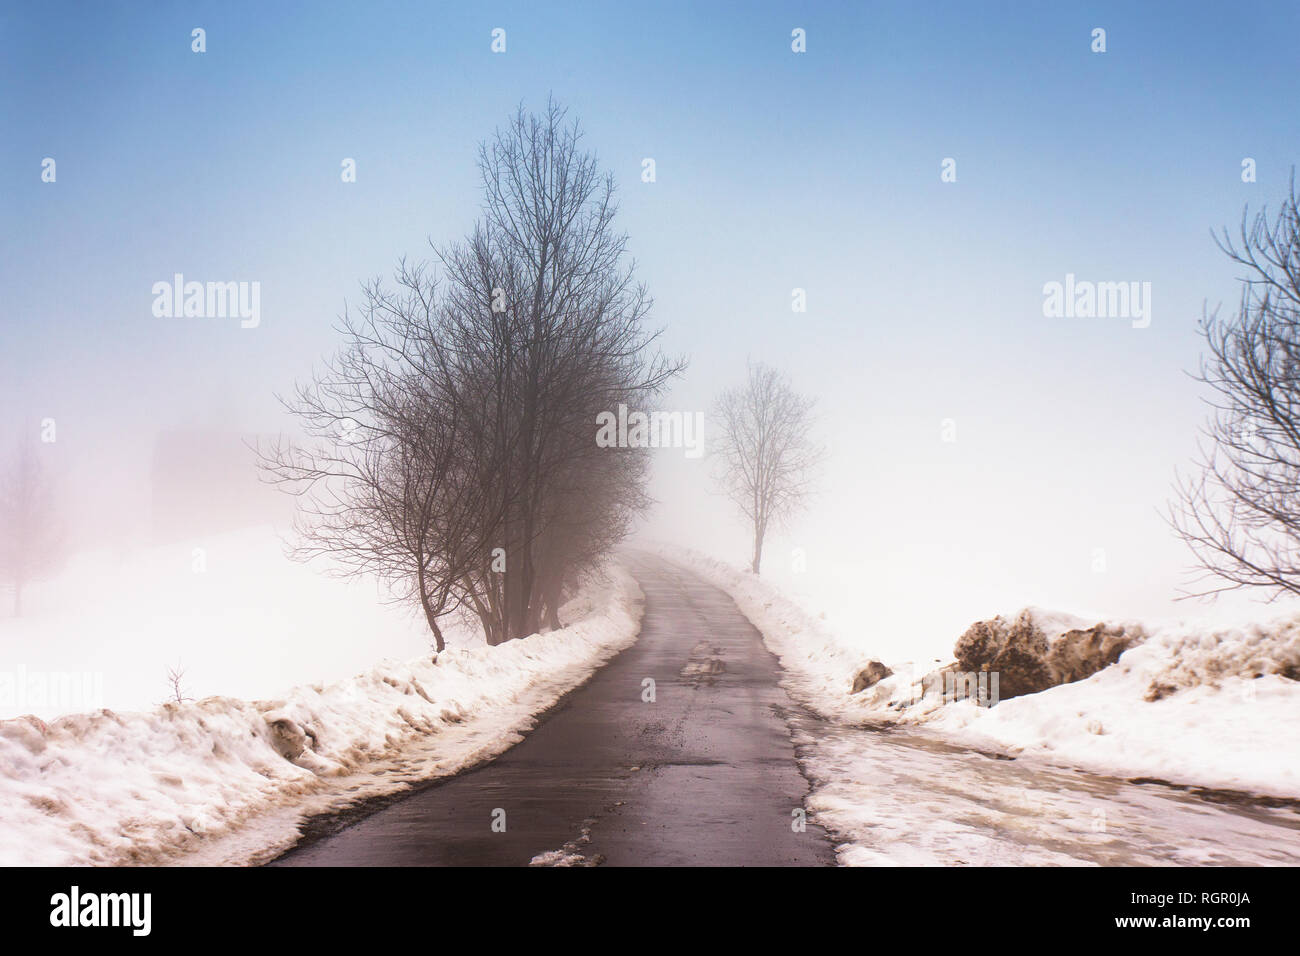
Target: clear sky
(775, 170)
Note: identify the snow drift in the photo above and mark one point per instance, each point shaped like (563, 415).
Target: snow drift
(226, 780)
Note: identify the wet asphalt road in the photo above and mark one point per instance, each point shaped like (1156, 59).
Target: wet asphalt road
(703, 775)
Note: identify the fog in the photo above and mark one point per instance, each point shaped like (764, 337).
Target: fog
(981, 455)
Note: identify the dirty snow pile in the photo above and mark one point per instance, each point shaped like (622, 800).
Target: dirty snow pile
(222, 780)
(1193, 705)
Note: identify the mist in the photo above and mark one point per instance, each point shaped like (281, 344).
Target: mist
(982, 455)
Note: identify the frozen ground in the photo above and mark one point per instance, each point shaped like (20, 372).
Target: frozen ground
(226, 780)
(1198, 706)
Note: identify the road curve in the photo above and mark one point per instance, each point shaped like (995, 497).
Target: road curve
(703, 775)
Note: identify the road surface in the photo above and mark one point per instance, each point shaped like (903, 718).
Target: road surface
(705, 774)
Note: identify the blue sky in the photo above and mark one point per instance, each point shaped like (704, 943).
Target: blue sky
(774, 171)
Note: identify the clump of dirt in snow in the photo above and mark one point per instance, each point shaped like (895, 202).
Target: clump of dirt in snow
(869, 676)
(1034, 650)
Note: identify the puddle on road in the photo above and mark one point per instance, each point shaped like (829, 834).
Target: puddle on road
(899, 796)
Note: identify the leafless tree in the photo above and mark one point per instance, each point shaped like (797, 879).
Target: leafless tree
(766, 450)
(543, 302)
(30, 537)
(452, 442)
(389, 478)
(1240, 513)
(177, 693)
(596, 498)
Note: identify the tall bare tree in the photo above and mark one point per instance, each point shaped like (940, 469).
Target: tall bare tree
(30, 536)
(766, 450)
(455, 448)
(545, 296)
(1240, 513)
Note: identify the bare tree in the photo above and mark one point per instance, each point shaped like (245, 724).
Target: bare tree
(766, 450)
(30, 541)
(1240, 513)
(389, 477)
(453, 446)
(177, 693)
(544, 296)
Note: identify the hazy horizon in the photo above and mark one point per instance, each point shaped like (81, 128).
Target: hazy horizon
(774, 171)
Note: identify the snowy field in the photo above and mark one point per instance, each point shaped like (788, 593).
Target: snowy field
(231, 610)
(226, 779)
(1196, 705)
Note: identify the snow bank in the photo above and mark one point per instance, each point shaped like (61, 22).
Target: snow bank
(1211, 707)
(226, 780)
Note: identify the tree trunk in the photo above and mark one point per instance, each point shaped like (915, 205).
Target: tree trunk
(552, 599)
(433, 626)
(429, 614)
(758, 550)
(439, 644)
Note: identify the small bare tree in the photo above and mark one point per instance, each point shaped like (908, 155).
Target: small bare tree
(388, 479)
(30, 544)
(1240, 513)
(177, 693)
(766, 450)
